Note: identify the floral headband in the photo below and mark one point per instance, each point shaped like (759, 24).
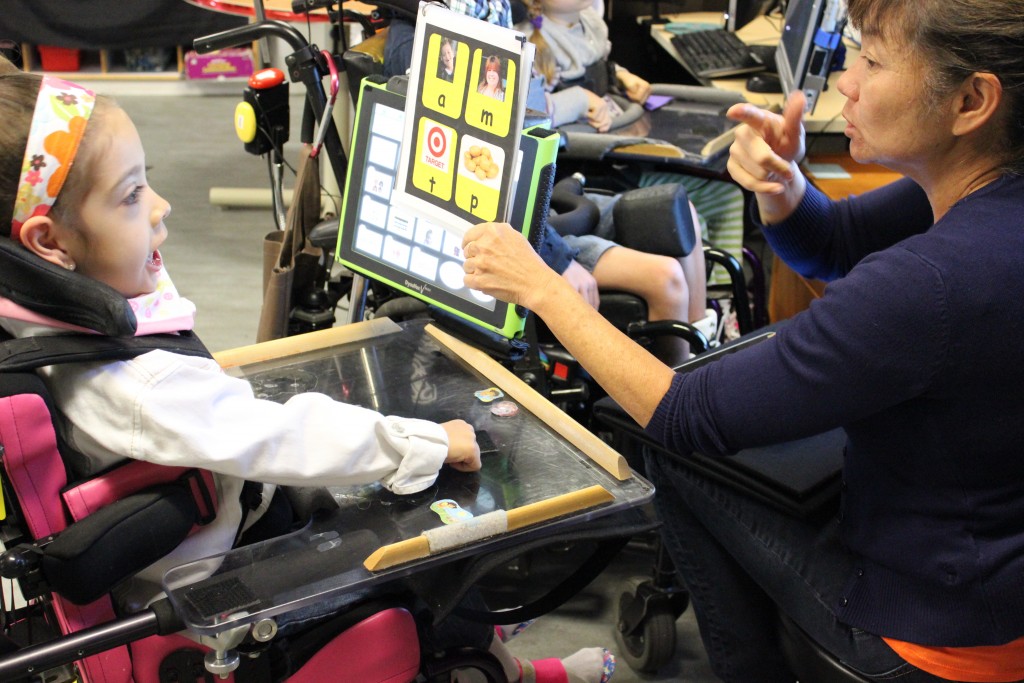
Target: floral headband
(58, 124)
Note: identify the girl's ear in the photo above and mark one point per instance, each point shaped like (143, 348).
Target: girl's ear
(40, 235)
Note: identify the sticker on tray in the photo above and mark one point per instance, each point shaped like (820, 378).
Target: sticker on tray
(490, 394)
(450, 512)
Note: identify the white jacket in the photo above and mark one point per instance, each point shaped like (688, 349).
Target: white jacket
(179, 410)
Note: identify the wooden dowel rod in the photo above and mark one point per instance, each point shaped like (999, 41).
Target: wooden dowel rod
(597, 450)
(417, 548)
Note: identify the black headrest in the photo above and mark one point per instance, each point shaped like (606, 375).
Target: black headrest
(64, 295)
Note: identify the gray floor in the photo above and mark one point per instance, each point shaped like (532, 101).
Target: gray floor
(214, 256)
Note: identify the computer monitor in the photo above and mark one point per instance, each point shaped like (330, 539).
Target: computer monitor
(810, 35)
(742, 12)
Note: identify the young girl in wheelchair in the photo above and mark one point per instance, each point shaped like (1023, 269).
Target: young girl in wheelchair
(73, 193)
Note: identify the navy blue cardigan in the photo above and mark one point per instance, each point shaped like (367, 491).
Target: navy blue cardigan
(916, 349)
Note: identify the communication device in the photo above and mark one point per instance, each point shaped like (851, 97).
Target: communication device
(810, 36)
(408, 251)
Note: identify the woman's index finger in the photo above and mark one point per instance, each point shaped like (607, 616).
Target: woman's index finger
(793, 112)
(747, 113)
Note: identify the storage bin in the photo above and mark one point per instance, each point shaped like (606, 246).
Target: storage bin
(59, 58)
(226, 63)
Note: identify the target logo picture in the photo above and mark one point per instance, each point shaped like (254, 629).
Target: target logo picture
(435, 152)
(433, 169)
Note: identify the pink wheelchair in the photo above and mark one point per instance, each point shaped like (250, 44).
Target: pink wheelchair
(70, 539)
(72, 536)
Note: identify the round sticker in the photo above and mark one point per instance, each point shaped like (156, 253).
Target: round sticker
(504, 409)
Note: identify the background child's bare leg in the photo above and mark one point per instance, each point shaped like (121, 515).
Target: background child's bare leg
(661, 282)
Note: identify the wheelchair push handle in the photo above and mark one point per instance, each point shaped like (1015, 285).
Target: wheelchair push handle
(306, 64)
(242, 35)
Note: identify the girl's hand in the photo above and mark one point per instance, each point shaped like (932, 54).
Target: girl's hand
(463, 451)
(598, 116)
(764, 155)
(500, 262)
(637, 89)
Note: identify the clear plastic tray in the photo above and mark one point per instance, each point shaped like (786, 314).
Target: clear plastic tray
(401, 370)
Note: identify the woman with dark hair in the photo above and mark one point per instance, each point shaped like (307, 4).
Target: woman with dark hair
(914, 350)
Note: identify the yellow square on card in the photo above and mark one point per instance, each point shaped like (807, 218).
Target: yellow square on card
(479, 177)
(489, 105)
(434, 164)
(444, 87)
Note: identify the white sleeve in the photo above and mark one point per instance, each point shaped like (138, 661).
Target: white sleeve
(177, 410)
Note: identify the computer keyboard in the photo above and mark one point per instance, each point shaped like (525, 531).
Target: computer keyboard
(716, 53)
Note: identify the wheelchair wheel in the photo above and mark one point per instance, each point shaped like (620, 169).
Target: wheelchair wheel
(646, 633)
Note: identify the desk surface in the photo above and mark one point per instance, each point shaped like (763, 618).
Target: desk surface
(765, 30)
(404, 370)
(838, 175)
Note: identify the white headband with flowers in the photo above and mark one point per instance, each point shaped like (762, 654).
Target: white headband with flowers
(58, 124)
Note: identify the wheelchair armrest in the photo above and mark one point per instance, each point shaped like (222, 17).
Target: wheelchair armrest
(738, 285)
(631, 113)
(670, 328)
(656, 220)
(590, 146)
(90, 557)
(698, 93)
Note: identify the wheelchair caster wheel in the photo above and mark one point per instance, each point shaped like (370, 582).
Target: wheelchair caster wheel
(646, 633)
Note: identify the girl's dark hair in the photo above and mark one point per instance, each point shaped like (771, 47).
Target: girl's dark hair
(957, 38)
(18, 93)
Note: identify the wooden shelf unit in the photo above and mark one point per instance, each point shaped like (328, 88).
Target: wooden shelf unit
(103, 65)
